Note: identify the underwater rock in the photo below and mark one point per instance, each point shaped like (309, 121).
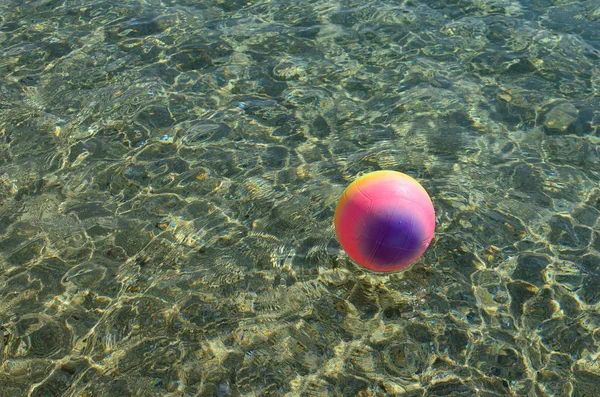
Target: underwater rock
(561, 119)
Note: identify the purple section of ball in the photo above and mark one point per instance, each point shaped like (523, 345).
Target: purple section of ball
(391, 238)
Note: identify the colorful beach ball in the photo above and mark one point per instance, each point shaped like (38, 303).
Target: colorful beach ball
(385, 221)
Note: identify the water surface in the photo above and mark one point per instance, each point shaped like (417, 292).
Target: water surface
(169, 172)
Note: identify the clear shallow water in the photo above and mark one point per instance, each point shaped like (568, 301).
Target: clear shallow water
(169, 172)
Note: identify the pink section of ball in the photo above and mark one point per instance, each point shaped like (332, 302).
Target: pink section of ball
(385, 221)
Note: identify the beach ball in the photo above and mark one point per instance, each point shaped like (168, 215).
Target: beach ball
(384, 221)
